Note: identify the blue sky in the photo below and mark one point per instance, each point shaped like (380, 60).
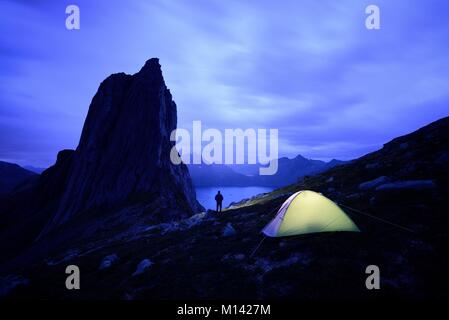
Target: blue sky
(309, 68)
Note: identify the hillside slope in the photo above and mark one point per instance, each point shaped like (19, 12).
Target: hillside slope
(11, 176)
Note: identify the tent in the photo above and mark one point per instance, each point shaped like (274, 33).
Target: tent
(308, 212)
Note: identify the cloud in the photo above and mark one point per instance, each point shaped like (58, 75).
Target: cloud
(309, 68)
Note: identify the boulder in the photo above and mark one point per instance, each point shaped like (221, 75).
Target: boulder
(409, 184)
(142, 266)
(228, 230)
(371, 184)
(108, 261)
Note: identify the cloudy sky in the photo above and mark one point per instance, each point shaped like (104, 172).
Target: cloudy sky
(309, 68)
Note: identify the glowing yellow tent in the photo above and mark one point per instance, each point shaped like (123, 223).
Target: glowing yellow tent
(308, 212)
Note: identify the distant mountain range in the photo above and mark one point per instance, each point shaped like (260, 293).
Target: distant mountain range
(37, 170)
(205, 175)
(12, 175)
(240, 175)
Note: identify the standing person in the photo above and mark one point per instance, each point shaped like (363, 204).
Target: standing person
(219, 200)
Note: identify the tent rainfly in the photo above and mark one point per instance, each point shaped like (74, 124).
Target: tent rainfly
(308, 212)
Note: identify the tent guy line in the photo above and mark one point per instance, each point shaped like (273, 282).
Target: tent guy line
(377, 218)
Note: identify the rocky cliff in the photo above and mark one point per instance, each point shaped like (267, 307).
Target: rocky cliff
(122, 161)
(123, 153)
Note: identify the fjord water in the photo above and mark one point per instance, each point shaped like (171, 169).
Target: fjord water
(206, 195)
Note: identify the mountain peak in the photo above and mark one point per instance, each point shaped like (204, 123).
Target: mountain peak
(300, 157)
(123, 156)
(151, 69)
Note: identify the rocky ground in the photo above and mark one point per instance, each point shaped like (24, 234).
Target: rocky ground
(208, 256)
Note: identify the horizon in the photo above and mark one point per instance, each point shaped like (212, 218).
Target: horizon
(334, 89)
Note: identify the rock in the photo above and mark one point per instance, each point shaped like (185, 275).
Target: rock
(353, 196)
(409, 168)
(409, 184)
(122, 160)
(442, 158)
(267, 265)
(124, 150)
(228, 230)
(373, 183)
(239, 256)
(374, 165)
(142, 266)
(69, 255)
(404, 145)
(108, 261)
(194, 220)
(331, 179)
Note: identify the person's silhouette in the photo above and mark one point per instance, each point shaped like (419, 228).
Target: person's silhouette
(219, 200)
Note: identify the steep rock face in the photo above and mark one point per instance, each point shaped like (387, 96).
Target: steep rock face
(122, 161)
(124, 152)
